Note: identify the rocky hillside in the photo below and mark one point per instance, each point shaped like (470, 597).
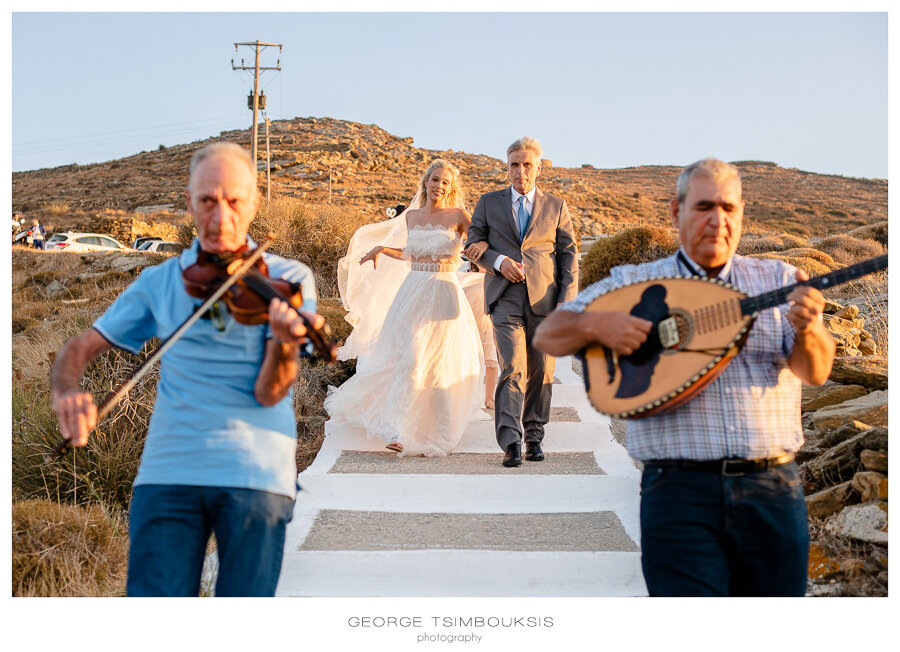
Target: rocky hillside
(362, 166)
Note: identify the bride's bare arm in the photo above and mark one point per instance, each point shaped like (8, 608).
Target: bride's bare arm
(387, 251)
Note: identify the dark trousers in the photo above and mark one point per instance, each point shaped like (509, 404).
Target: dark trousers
(525, 379)
(170, 525)
(705, 534)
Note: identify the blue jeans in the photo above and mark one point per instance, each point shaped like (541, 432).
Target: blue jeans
(169, 527)
(706, 534)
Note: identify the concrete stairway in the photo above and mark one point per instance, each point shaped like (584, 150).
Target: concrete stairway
(371, 524)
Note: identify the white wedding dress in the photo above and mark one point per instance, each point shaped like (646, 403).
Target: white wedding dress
(419, 380)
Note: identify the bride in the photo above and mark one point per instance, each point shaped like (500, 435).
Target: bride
(418, 378)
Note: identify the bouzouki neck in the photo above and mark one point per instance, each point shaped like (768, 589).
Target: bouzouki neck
(752, 305)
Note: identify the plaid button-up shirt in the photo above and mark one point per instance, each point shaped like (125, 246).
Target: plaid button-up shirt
(752, 410)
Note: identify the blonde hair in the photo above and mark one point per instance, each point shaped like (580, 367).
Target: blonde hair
(527, 144)
(708, 167)
(455, 197)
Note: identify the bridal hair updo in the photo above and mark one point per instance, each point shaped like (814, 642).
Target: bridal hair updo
(455, 198)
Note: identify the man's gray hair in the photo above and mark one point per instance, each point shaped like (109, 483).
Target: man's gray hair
(527, 144)
(708, 167)
(222, 149)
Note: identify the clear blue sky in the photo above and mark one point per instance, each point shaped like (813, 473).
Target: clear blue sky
(803, 90)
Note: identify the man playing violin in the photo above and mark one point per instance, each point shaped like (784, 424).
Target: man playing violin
(219, 454)
(722, 508)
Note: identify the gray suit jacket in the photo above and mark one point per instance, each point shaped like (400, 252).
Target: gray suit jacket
(548, 250)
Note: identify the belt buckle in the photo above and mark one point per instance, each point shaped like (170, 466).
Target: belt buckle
(731, 475)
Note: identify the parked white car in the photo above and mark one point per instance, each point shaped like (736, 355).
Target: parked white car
(162, 246)
(82, 242)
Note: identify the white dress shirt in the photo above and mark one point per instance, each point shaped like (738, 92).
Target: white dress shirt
(529, 206)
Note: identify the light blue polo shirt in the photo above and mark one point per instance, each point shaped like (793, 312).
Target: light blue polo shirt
(207, 428)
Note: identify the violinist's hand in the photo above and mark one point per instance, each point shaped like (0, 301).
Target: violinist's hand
(475, 250)
(372, 255)
(286, 324)
(807, 305)
(77, 416)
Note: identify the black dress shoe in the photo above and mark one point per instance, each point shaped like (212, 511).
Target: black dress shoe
(533, 452)
(513, 455)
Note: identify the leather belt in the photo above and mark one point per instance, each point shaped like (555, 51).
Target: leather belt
(727, 466)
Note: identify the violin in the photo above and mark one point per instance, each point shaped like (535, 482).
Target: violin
(248, 298)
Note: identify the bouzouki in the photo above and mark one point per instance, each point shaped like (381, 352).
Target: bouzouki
(699, 325)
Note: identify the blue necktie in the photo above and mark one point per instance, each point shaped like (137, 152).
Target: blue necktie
(523, 218)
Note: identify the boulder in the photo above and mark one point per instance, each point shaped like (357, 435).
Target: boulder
(840, 462)
(850, 312)
(844, 331)
(866, 522)
(829, 394)
(831, 500)
(874, 460)
(868, 347)
(871, 408)
(841, 434)
(821, 564)
(871, 371)
(832, 307)
(54, 289)
(870, 485)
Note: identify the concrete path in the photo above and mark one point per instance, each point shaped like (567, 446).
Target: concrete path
(371, 524)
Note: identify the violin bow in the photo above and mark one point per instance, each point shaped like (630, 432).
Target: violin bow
(117, 394)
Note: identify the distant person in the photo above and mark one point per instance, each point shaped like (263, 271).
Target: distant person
(36, 235)
(418, 375)
(531, 267)
(722, 506)
(219, 455)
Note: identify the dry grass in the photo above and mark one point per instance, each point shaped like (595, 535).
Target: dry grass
(61, 550)
(315, 234)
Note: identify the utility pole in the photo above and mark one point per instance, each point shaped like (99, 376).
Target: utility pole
(255, 98)
(268, 161)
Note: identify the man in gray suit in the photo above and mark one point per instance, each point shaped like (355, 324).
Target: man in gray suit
(532, 267)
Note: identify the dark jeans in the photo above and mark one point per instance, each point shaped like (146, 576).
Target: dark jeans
(705, 534)
(169, 526)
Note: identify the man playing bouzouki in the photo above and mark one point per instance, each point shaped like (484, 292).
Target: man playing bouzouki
(722, 508)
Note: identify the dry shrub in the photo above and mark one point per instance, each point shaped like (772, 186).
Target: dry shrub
(315, 234)
(809, 265)
(332, 309)
(809, 252)
(61, 550)
(310, 391)
(765, 244)
(104, 470)
(861, 562)
(640, 244)
(55, 208)
(877, 232)
(846, 250)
